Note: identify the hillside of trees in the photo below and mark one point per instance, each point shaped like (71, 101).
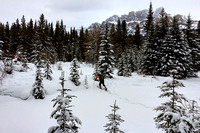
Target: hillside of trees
(163, 48)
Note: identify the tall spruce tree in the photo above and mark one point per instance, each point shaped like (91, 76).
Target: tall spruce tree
(193, 44)
(22, 46)
(167, 62)
(175, 53)
(45, 41)
(106, 55)
(112, 39)
(124, 46)
(63, 41)
(86, 45)
(118, 42)
(137, 50)
(150, 59)
(82, 40)
(14, 38)
(124, 35)
(57, 41)
(149, 23)
(67, 122)
(6, 38)
(74, 44)
(114, 121)
(60, 41)
(30, 39)
(183, 53)
(162, 31)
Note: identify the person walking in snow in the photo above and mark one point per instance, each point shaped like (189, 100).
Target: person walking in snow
(101, 80)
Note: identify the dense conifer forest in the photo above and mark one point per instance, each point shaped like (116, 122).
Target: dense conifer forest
(164, 46)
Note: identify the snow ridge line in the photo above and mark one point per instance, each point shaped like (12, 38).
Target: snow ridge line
(2, 93)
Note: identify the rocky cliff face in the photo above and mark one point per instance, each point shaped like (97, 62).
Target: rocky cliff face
(134, 18)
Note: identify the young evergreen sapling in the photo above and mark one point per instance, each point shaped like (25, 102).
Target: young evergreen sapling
(193, 111)
(173, 117)
(114, 121)
(74, 75)
(48, 71)
(67, 122)
(86, 82)
(38, 89)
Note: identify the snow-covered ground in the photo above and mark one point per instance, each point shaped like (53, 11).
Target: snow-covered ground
(137, 96)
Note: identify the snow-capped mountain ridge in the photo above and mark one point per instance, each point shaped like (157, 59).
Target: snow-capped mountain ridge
(134, 18)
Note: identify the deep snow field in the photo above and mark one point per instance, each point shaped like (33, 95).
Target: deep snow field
(136, 96)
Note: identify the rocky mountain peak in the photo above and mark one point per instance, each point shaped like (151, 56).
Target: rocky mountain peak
(134, 18)
(114, 18)
(156, 13)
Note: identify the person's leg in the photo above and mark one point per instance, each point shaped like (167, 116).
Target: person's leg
(100, 85)
(104, 86)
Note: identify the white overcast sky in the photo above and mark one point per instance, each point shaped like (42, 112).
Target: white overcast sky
(77, 13)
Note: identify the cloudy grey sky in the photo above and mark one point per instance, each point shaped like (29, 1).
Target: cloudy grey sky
(77, 13)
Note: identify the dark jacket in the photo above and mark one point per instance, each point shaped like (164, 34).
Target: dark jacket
(101, 78)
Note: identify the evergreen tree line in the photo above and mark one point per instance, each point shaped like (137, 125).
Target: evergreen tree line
(52, 43)
(57, 43)
(164, 46)
(167, 47)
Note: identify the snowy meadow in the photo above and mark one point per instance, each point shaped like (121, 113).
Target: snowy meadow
(137, 96)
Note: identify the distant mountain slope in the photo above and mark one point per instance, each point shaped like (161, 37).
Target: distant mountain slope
(134, 18)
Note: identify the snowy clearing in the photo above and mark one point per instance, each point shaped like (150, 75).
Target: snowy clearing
(136, 96)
